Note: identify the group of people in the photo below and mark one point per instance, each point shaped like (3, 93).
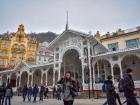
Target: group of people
(67, 90)
(6, 93)
(57, 92)
(29, 92)
(126, 85)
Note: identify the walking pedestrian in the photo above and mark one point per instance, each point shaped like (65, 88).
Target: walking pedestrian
(35, 92)
(3, 92)
(46, 92)
(29, 93)
(69, 89)
(24, 92)
(104, 89)
(54, 91)
(129, 88)
(110, 91)
(116, 94)
(59, 92)
(8, 94)
(41, 93)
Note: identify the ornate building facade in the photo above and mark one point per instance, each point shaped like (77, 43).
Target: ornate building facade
(90, 58)
(44, 55)
(16, 47)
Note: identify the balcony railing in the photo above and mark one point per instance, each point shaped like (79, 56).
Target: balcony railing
(121, 32)
(117, 51)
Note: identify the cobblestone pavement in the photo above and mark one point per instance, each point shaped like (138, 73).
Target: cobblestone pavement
(18, 101)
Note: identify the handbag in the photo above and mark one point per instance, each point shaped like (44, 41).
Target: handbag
(73, 91)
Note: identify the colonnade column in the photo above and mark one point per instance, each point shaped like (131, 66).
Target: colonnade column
(31, 79)
(121, 72)
(54, 70)
(98, 70)
(83, 76)
(59, 71)
(46, 77)
(89, 64)
(93, 73)
(112, 72)
(28, 79)
(17, 79)
(42, 76)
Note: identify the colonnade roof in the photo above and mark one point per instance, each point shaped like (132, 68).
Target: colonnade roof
(29, 66)
(82, 34)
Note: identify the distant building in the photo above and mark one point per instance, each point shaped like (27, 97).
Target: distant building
(44, 55)
(17, 47)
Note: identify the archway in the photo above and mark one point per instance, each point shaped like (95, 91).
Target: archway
(50, 77)
(116, 72)
(18, 80)
(86, 74)
(24, 78)
(56, 77)
(13, 80)
(62, 72)
(37, 77)
(4, 78)
(30, 80)
(132, 61)
(72, 63)
(102, 70)
(44, 79)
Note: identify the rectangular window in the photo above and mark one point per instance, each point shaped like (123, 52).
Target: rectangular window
(4, 53)
(2, 62)
(14, 55)
(132, 43)
(113, 46)
(44, 58)
(4, 46)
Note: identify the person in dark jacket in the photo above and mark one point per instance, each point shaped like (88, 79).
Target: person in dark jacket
(110, 91)
(8, 94)
(59, 90)
(129, 88)
(35, 92)
(24, 92)
(68, 88)
(29, 93)
(3, 92)
(41, 93)
(46, 92)
(1, 95)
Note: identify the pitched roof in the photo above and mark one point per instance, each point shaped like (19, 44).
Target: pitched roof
(76, 33)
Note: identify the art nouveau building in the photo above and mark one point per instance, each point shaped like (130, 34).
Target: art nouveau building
(15, 47)
(86, 56)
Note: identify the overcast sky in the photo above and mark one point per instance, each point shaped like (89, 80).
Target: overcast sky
(84, 15)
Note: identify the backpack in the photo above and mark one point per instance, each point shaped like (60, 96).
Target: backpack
(121, 85)
(104, 87)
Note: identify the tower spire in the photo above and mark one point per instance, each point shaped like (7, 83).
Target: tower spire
(67, 22)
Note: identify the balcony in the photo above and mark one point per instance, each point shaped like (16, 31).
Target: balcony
(14, 49)
(31, 59)
(21, 50)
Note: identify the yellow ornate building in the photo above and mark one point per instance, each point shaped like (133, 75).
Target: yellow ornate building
(17, 47)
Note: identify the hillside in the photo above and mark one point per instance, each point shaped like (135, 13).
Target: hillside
(41, 37)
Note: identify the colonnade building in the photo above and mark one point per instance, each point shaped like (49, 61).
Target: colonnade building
(91, 58)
